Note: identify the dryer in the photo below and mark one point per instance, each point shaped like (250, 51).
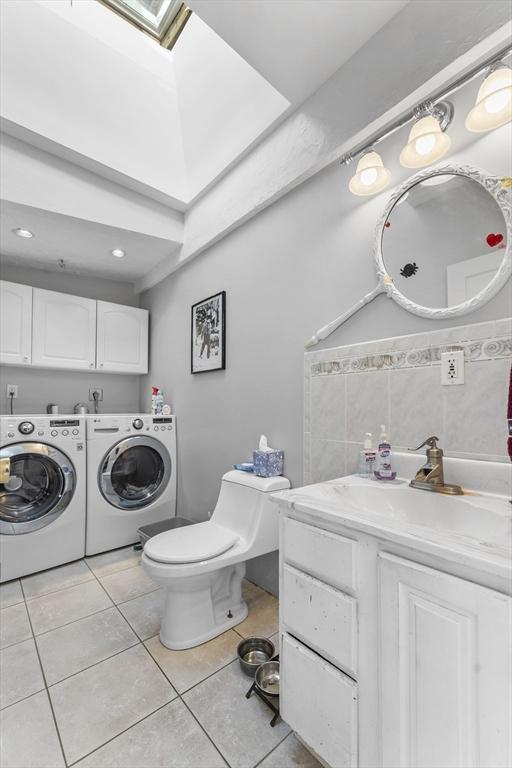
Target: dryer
(131, 477)
(42, 493)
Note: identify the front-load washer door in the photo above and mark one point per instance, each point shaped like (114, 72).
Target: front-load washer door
(135, 472)
(36, 488)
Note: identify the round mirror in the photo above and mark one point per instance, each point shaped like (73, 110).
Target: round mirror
(444, 241)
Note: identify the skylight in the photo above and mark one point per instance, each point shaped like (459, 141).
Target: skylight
(162, 19)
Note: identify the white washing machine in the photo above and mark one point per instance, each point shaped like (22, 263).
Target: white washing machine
(131, 476)
(42, 493)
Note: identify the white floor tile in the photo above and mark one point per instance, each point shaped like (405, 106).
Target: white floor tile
(99, 703)
(10, 593)
(14, 625)
(290, 754)
(20, 673)
(59, 608)
(187, 668)
(110, 562)
(239, 727)
(69, 649)
(56, 578)
(125, 585)
(144, 613)
(170, 738)
(29, 736)
(263, 618)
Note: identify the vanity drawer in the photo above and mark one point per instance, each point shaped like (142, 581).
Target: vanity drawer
(320, 703)
(328, 556)
(321, 616)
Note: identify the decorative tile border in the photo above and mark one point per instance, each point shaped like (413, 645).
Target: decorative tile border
(474, 350)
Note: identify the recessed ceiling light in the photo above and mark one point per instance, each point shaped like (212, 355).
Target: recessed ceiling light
(118, 253)
(23, 232)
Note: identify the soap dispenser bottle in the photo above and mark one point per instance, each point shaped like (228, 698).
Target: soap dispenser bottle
(367, 457)
(383, 469)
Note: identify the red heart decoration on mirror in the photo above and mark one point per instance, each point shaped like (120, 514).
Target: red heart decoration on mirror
(493, 239)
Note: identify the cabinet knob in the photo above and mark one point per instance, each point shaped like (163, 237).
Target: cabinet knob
(91, 365)
(101, 365)
(25, 358)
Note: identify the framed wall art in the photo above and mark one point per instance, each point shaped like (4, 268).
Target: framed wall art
(208, 342)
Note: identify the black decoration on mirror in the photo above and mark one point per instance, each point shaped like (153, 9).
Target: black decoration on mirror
(409, 270)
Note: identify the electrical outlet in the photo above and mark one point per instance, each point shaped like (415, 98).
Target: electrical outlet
(452, 367)
(12, 390)
(99, 391)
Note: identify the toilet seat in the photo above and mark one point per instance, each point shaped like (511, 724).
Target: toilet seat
(190, 544)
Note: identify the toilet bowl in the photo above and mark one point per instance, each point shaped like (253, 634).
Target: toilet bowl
(201, 566)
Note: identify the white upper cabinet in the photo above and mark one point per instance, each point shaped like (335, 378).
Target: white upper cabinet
(63, 331)
(122, 338)
(15, 323)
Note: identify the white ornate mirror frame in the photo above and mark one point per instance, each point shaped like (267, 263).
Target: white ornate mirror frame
(501, 191)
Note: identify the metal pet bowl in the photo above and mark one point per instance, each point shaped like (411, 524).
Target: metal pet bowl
(267, 678)
(253, 652)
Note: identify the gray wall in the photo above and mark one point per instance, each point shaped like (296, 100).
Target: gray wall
(286, 272)
(37, 387)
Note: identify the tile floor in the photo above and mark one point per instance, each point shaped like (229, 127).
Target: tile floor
(84, 680)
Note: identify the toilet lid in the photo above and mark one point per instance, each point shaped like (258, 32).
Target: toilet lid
(190, 544)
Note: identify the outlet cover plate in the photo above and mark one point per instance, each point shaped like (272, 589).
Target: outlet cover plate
(452, 368)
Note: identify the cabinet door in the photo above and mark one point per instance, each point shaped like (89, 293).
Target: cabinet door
(63, 331)
(445, 670)
(15, 323)
(122, 338)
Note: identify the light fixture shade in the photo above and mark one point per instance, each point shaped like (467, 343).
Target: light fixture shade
(493, 105)
(371, 176)
(427, 144)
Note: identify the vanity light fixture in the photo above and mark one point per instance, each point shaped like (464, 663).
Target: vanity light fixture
(23, 232)
(493, 106)
(371, 176)
(428, 142)
(118, 253)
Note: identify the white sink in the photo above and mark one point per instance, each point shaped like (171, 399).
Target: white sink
(483, 519)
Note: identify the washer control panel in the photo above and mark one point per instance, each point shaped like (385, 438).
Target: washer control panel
(40, 428)
(109, 425)
(162, 423)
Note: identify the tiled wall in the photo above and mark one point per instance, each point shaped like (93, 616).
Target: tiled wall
(354, 389)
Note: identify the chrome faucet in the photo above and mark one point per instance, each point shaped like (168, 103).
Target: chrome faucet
(430, 477)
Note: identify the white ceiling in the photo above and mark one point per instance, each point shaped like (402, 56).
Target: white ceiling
(84, 245)
(296, 46)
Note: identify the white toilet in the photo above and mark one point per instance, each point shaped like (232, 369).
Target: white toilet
(201, 566)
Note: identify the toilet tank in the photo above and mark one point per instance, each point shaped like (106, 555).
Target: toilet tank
(244, 507)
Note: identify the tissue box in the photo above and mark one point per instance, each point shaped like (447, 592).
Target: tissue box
(268, 463)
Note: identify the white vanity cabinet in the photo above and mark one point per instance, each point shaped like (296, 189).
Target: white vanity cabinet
(389, 660)
(63, 331)
(122, 338)
(15, 323)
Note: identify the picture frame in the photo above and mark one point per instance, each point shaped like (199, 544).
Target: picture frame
(208, 334)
